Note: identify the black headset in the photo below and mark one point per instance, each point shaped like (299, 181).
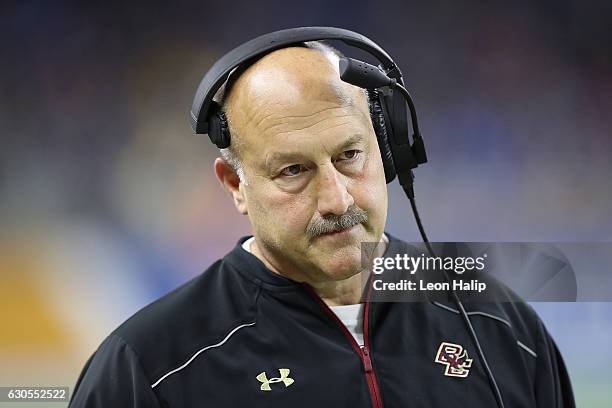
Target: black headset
(390, 104)
(387, 108)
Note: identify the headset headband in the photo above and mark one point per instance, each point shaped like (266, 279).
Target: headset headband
(219, 72)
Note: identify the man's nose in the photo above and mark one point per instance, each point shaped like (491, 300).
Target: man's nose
(334, 197)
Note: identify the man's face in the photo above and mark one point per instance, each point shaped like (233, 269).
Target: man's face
(312, 165)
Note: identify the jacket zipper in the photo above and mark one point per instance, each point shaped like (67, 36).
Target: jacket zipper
(363, 352)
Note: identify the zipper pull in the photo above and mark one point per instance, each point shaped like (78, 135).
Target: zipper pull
(367, 362)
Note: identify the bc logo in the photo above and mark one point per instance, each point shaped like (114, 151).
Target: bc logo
(455, 358)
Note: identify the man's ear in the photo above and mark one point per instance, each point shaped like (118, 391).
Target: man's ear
(231, 183)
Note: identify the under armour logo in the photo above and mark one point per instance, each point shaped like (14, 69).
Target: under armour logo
(455, 358)
(284, 378)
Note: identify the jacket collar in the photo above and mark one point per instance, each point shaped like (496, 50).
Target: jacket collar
(253, 268)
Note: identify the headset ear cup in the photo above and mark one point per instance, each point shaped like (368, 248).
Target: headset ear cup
(218, 130)
(378, 122)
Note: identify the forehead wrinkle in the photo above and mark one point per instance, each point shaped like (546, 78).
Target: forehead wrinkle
(285, 120)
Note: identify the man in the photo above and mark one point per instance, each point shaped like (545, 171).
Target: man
(282, 321)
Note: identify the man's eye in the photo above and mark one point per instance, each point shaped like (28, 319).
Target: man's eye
(349, 154)
(292, 170)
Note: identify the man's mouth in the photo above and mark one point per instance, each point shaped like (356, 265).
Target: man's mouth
(341, 233)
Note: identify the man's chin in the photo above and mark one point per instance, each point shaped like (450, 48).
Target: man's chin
(343, 264)
(340, 253)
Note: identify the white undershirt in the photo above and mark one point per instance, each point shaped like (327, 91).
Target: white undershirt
(350, 315)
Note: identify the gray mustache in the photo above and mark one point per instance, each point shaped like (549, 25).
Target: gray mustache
(333, 223)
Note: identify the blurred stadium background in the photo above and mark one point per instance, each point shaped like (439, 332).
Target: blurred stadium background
(107, 199)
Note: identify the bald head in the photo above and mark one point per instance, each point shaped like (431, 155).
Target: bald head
(287, 74)
(290, 82)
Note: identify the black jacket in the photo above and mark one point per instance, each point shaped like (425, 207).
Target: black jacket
(239, 335)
